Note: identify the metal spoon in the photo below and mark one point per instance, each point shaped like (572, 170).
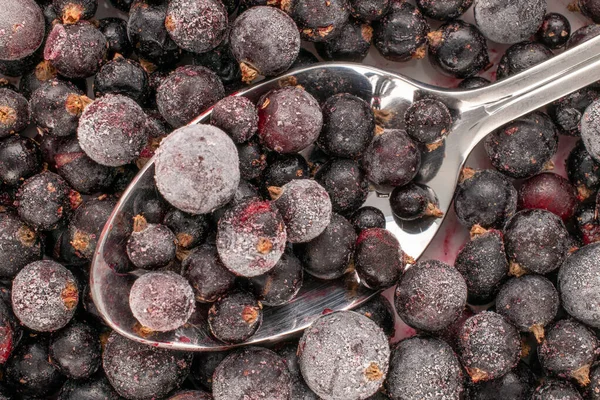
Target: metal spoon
(476, 113)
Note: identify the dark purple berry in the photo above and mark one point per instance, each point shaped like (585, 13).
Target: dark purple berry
(150, 246)
(300, 389)
(587, 223)
(75, 351)
(122, 5)
(115, 31)
(392, 159)
(412, 201)
(494, 17)
(555, 30)
(522, 56)
(19, 245)
(593, 390)
(139, 371)
(305, 207)
(264, 41)
(190, 230)
(161, 301)
(285, 168)
(191, 395)
(458, 49)
(345, 183)
(474, 82)
(253, 160)
(551, 192)
(281, 284)
(489, 346)
(367, 217)
(482, 262)
(361, 359)
(566, 112)
(583, 171)
(428, 121)
(251, 237)
(590, 133)
(402, 33)
(186, 93)
(589, 8)
(318, 21)
(443, 10)
(583, 34)
(44, 296)
(196, 25)
(253, 372)
(87, 223)
(523, 147)
(305, 58)
(207, 274)
(517, 384)
(536, 241)
(381, 311)
(378, 258)
(328, 255)
(23, 66)
(20, 158)
(369, 10)
(236, 116)
(57, 245)
(22, 29)
(352, 43)
(76, 51)
(221, 61)
(14, 112)
(72, 11)
(578, 283)
(438, 374)
(31, 81)
(556, 389)
(430, 295)
(204, 366)
(122, 76)
(96, 388)
(234, 318)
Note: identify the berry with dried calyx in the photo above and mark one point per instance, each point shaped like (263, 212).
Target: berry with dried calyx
(87, 223)
(352, 43)
(72, 11)
(428, 121)
(150, 246)
(318, 21)
(235, 318)
(583, 171)
(378, 258)
(412, 201)
(236, 116)
(190, 230)
(19, 245)
(14, 112)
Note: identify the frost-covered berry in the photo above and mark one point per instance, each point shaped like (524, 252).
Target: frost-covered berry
(236, 116)
(318, 21)
(281, 284)
(197, 169)
(14, 112)
(150, 246)
(378, 258)
(87, 223)
(75, 351)
(207, 274)
(235, 317)
(19, 245)
(44, 296)
(22, 29)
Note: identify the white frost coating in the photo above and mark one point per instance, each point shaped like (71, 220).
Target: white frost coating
(197, 169)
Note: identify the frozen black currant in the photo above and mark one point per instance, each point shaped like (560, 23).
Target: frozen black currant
(489, 346)
(458, 49)
(236, 116)
(300, 389)
(280, 285)
(139, 371)
(523, 147)
(494, 17)
(150, 246)
(221, 61)
(517, 384)
(443, 10)
(555, 30)
(378, 258)
(253, 160)
(368, 10)
(87, 223)
(285, 168)
(19, 245)
(305, 207)
(590, 9)
(402, 33)
(346, 184)
(253, 372)
(190, 230)
(44, 296)
(122, 76)
(204, 366)
(474, 82)
(14, 112)
(234, 318)
(549, 191)
(430, 295)
(251, 237)
(587, 223)
(566, 112)
(583, 171)
(22, 29)
(348, 126)
(556, 389)
(536, 242)
(438, 374)
(196, 25)
(207, 274)
(590, 133)
(20, 158)
(583, 34)
(115, 31)
(367, 217)
(482, 262)
(381, 311)
(197, 169)
(30, 82)
(392, 158)
(264, 41)
(95, 388)
(328, 255)
(362, 356)
(318, 21)
(520, 57)
(428, 121)
(75, 351)
(161, 301)
(72, 11)
(593, 390)
(412, 201)
(352, 43)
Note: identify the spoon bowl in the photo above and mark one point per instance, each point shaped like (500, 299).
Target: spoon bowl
(475, 112)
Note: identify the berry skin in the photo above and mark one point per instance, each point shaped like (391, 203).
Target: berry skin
(253, 160)
(402, 33)
(190, 230)
(583, 34)
(122, 76)
(161, 301)
(555, 31)
(348, 126)
(590, 133)
(289, 119)
(283, 169)
(115, 32)
(112, 130)
(75, 351)
(427, 121)
(251, 237)
(494, 16)
(96, 388)
(392, 158)
(529, 303)
(300, 389)
(204, 366)
(361, 362)
(139, 371)
(556, 389)
(517, 384)
(378, 258)
(551, 192)
(587, 223)
(379, 309)
(483, 265)
(305, 207)
(207, 274)
(20, 158)
(44, 296)
(536, 242)
(583, 171)
(221, 61)
(590, 9)
(19, 245)
(186, 93)
(72, 11)
(196, 25)
(523, 147)
(458, 49)
(328, 255)
(253, 372)
(367, 217)
(236, 116)
(566, 112)
(76, 51)
(197, 169)
(430, 295)
(411, 201)
(351, 44)
(14, 112)
(438, 375)
(318, 21)
(30, 82)
(443, 10)
(281, 284)
(485, 198)
(265, 41)
(345, 183)
(16, 44)
(489, 346)
(578, 283)
(150, 246)
(235, 318)
(522, 56)
(368, 10)
(86, 225)
(474, 82)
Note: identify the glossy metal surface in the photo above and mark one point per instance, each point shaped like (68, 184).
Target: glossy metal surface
(476, 113)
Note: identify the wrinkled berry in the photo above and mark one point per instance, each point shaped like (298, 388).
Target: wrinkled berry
(115, 31)
(122, 76)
